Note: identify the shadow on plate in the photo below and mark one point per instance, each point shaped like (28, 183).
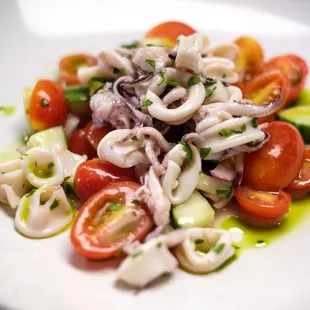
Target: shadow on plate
(8, 210)
(79, 262)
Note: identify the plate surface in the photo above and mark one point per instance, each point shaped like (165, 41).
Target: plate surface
(47, 274)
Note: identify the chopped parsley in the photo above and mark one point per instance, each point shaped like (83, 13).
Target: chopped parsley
(204, 152)
(227, 133)
(114, 206)
(162, 78)
(118, 70)
(54, 205)
(159, 245)
(260, 241)
(137, 253)
(210, 91)
(199, 241)
(218, 248)
(172, 83)
(188, 152)
(50, 165)
(224, 76)
(135, 201)
(151, 62)
(134, 138)
(224, 193)
(130, 46)
(146, 103)
(44, 103)
(210, 81)
(255, 122)
(193, 81)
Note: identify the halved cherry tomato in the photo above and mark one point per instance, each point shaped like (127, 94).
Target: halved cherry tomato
(264, 88)
(108, 220)
(250, 59)
(278, 162)
(93, 175)
(47, 105)
(263, 205)
(294, 68)
(167, 33)
(95, 132)
(79, 144)
(298, 193)
(69, 65)
(302, 181)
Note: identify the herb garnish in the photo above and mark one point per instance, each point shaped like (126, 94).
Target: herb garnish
(135, 201)
(146, 103)
(172, 83)
(137, 253)
(118, 70)
(224, 193)
(199, 241)
(134, 138)
(159, 245)
(204, 152)
(130, 46)
(162, 80)
(193, 81)
(188, 152)
(54, 205)
(50, 165)
(255, 122)
(44, 103)
(227, 133)
(31, 192)
(218, 248)
(114, 206)
(210, 81)
(210, 91)
(151, 62)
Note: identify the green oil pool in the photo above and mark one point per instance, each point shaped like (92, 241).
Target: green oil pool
(254, 237)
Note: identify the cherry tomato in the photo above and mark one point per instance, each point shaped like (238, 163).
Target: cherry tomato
(69, 65)
(294, 68)
(79, 144)
(167, 33)
(298, 193)
(93, 175)
(95, 132)
(263, 205)
(278, 162)
(264, 88)
(47, 105)
(250, 59)
(302, 181)
(108, 220)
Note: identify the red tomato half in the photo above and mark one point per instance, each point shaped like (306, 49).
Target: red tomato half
(302, 181)
(263, 205)
(47, 105)
(79, 144)
(93, 175)
(278, 162)
(95, 132)
(69, 65)
(294, 68)
(108, 220)
(251, 58)
(264, 89)
(168, 32)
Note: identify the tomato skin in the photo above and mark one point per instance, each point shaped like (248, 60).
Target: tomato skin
(93, 175)
(263, 205)
(47, 105)
(277, 163)
(79, 144)
(294, 68)
(69, 65)
(95, 132)
(95, 240)
(170, 30)
(251, 57)
(263, 89)
(302, 181)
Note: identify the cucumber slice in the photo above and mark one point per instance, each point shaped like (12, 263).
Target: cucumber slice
(212, 185)
(69, 185)
(49, 138)
(194, 212)
(300, 118)
(303, 99)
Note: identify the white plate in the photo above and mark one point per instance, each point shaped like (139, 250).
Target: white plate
(47, 274)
